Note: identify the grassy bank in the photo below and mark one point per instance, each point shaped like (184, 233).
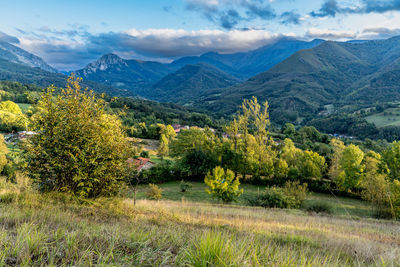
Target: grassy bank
(37, 230)
(340, 206)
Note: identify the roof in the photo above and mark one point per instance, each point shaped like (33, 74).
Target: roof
(139, 162)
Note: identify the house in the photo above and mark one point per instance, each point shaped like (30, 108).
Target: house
(140, 163)
(178, 127)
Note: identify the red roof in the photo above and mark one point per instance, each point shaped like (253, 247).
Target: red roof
(139, 162)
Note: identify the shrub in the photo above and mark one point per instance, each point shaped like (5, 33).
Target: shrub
(320, 207)
(81, 149)
(162, 172)
(185, 186)
(154, 192)
(273, 197)
(145, 154)
(223, 184)
(8, 197)
(299, 192)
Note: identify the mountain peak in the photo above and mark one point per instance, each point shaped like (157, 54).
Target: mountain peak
(104, 63)
(17, 55)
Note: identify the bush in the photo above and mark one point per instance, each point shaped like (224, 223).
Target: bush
(8, 197)
(185, 186)
(80, 149)
(162, 172)
(273, 197)
(223, 184)
(154, 192)
(145, 154)
(320, 207)
(299, 192)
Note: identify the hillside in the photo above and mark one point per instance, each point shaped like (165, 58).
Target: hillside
(140, 76)
(248, 64)
(17, 55)
(331, 73)
(10, 71)
(55, 229)
(134, 75)
(190, 81)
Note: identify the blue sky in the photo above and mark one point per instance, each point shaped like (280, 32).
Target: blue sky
(70, 34)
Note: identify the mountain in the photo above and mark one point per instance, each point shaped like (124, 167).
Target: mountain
(134, 75)
(333, 73)
(17, 55)
(10, 71)
(140, 76)
(248, 64)
(190, 81)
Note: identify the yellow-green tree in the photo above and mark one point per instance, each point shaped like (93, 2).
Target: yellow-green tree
(79, 148)
(11, 117)
(335, 169)
(352, 168)
(311, 165)
(3, 153)
(223, 184)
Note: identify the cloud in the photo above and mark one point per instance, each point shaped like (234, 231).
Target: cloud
(8, 38)
(290, 17)
(151, 44)
(330, 8)
(229, 13)
(330, 34)
(379, 33)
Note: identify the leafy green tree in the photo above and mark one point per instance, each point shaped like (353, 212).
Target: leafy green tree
(289, 130)
(311, 165)
(80, 148)
(391, 159)
(352, 168)
(11, 117)
(336, 169)
(3, 153)
(163, 148)
(223, 184)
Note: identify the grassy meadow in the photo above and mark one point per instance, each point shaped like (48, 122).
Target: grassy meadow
(57, 230)
(390, 117)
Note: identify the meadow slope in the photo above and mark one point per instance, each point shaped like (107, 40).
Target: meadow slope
(56, 230)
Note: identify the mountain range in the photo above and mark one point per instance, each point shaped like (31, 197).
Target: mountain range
(298, 78)
(139, 77)
(334, 73)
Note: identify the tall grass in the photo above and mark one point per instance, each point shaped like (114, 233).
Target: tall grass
(58, 230)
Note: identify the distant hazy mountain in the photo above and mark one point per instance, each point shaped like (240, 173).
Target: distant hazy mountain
(17, 55)
(11, 71)
(331, 73)
(139, 76)
(190, 81)
(248, 64)
(134, 75)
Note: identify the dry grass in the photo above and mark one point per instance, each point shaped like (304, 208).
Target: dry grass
(57, 230)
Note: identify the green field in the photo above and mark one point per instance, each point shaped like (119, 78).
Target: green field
(57, 230)
(344, 207)
(24, 107)
(390, 117)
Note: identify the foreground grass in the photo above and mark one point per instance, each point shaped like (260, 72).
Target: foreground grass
(37, 230)
(345, 207)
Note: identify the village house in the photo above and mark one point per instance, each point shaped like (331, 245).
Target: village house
(140, 163)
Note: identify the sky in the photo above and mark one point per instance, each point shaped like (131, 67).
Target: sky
(71, 34)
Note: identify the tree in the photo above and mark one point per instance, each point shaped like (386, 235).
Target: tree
(79, 148)
(335, 169)
(311, 165)
(391, 159)
(352, 168)
(223, 184)
(163, 148)
(11, 117)
(3, 153)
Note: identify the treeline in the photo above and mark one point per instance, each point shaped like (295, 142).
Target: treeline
(249, 151)
(355, 125)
